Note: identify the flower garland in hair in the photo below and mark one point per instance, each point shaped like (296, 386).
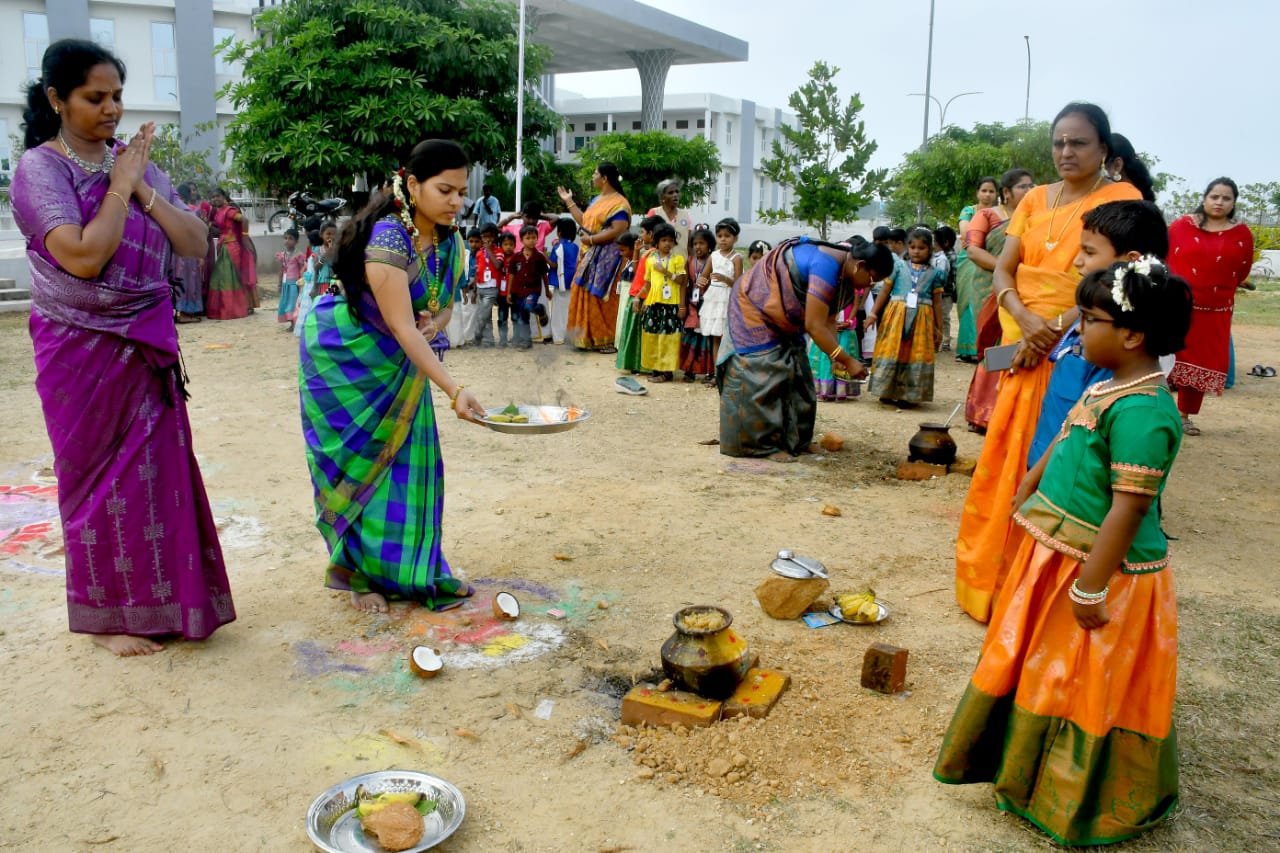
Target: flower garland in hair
(1142, 266)
(401, 199)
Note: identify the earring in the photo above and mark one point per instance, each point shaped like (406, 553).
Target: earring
(57, 110)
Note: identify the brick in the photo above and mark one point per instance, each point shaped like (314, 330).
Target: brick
(757, 694)
(644, 704)
(964, 466)
(920, 471)
(787, 598)
(884, 668)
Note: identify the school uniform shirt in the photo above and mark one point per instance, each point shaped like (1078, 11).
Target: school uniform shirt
(488, 268)
(525, 275)
(564, 263)
(662, 290)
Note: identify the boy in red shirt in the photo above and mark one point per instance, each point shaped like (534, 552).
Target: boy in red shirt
(488, 274)
(526, 280)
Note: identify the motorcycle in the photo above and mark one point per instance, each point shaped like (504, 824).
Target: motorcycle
(306, 213)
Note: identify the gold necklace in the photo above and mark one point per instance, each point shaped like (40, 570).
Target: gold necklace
(435, 280)
(1049, 243)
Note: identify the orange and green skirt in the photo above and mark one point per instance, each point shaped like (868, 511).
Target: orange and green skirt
(1074, 728)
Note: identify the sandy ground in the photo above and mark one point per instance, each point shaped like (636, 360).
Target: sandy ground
(222, 745)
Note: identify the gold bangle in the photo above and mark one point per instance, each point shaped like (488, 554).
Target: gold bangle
(146, 208)
(835, 352)
(1000, 297)
(1057, 323)
(453, 398)
(122, 200)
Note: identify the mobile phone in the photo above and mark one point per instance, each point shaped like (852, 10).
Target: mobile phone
(999, 358)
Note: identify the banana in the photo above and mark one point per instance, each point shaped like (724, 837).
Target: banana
(859, 606)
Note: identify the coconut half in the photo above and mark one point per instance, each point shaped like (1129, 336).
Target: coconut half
(505, 606)
(425, 662)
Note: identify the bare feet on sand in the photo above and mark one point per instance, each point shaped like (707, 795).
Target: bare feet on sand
(781, 456)
(369, 602)
(126, 646)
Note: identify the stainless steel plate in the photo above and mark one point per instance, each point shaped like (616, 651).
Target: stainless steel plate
(542, 420)
(334, 827)
(792, 565)
(839, 614)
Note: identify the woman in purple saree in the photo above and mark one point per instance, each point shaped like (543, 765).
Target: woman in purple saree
(100, 222)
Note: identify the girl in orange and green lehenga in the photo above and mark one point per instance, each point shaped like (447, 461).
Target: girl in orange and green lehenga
(1070, 711)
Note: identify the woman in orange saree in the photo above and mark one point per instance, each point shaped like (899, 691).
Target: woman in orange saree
(592, 321)
(1035, 289)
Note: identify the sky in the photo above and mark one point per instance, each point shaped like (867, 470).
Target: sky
(1187, 82)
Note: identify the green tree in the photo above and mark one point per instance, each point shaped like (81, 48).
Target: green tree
(171, 152)
(543, 173)
(945, 175)
(824, 160)
(336, 88)
(644, 159)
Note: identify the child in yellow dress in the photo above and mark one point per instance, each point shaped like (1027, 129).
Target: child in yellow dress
(665, 308)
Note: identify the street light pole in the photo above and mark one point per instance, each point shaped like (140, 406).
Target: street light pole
(1026, 110)
(520, 111)
(928, 80)
(942, 108)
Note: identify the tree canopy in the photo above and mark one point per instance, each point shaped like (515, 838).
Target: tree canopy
(338, 88)
(645, 159)
(944, 176)
(824, 159)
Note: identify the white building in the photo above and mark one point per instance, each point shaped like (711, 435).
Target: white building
(167, 47)
(743, 131)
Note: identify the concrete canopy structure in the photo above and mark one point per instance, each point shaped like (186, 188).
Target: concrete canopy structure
(605, 35)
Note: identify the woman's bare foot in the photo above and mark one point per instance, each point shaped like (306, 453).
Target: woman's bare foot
(368, 602)
(781, 456)
(127, 646)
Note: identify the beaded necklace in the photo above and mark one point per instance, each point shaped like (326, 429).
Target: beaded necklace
(1097, 390)
(435, 278)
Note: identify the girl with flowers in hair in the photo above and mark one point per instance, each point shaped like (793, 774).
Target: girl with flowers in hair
(1070, 711)
(367, 417)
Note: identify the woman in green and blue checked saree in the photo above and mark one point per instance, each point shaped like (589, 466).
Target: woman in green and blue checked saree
(367, 418)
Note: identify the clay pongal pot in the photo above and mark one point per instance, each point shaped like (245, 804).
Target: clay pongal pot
(933, 444)
(708, 661)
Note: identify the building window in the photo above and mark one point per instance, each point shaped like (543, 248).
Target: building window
(103, 31)
(578, 142)
(728, 189)
(220, 65)
(635, 125)
(572, 128)
(664, 124)
(164, 63)
(6, 152)
(682, 124)
(702, 124)
(728, 132)
(589, 126)
(764, 186)
(35, 38)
